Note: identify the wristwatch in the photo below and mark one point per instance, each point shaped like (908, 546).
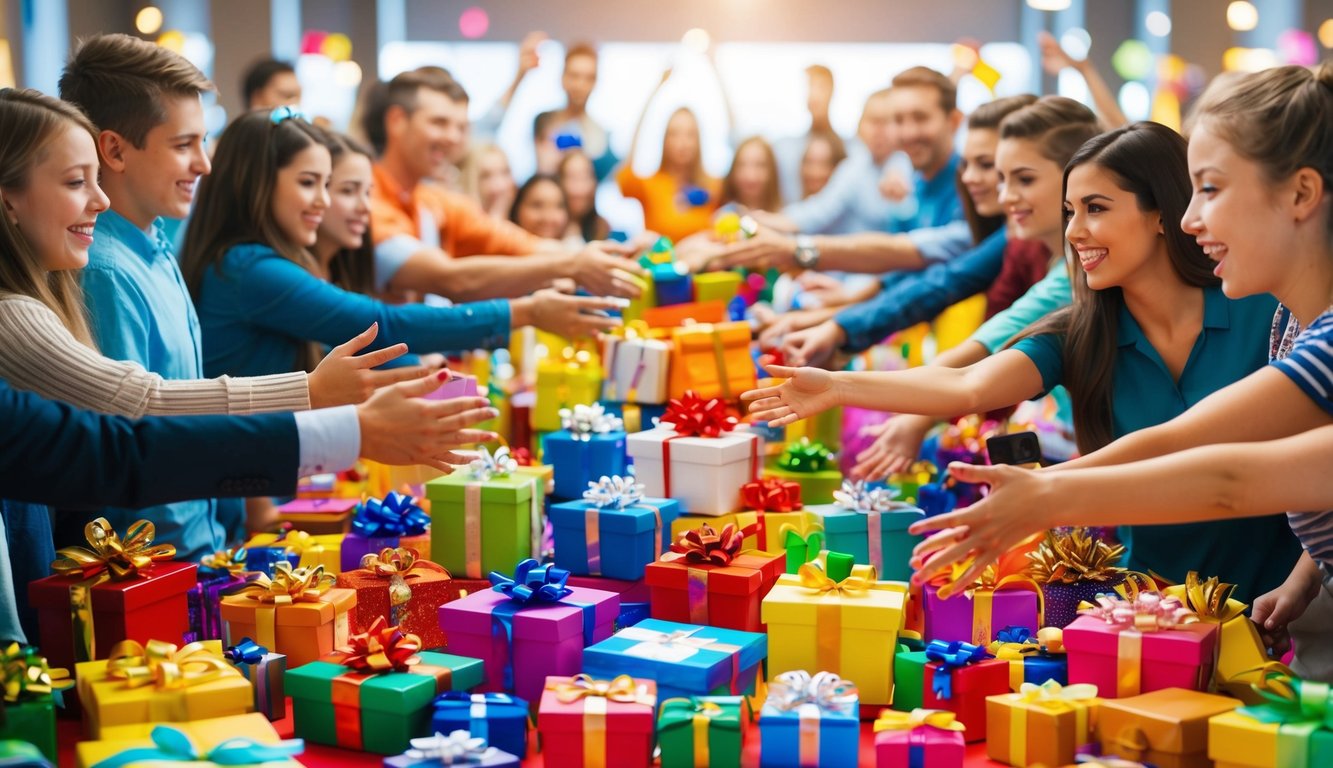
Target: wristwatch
(807, 255)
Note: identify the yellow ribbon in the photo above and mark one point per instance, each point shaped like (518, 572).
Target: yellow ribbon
(704, 712)
(1210, 599)
(24, 673)
(163, 665)
(1050, 640)
(230, 560)
(107, 553)
(288, 585)
(595, 695)
(828, 615)
(892, 720)
(1054, 698)
(302, 543)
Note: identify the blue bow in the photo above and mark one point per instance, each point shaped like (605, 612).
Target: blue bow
(951, 656)
(566, 141)
(936, 499)
(246, 652)
(396, 516)
(171, 744)
(1013, 634)
(533, 583)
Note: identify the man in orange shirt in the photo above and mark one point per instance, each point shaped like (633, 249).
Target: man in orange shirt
(419, 227)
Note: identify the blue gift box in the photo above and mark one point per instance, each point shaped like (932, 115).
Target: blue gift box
(500, 719)
(673, 283)
(647, 412)
(1039, 669)
(684, 659)
(622, 541)
(580, 459)
(782, 734)
(266, 559)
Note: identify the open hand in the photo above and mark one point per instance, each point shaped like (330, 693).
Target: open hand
(345, 378)
(814, 346)
(1054, 58)
(897, 444)
(574, 317)
(767, 249)
(603, 268)
(806, 392)
(399, 427)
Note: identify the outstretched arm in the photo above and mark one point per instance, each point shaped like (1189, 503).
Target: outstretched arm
(1054, 59)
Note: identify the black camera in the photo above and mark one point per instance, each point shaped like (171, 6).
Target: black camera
(1018, 448)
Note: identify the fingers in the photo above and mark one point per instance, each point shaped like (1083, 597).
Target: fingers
(380, 356)
(392, 376)
(423, 386)
(976, 473)
(759, 394)
(439, 408)
(766, 403)
(358, 342)
(941, 522)
(780, 371)
(950, 546)
(591, 303)
(591, 325)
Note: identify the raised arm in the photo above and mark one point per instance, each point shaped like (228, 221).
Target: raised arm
(638, 125)
(1054, 59)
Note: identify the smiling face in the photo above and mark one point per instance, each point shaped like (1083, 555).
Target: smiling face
(680, 147)
(1030, 192)
(432, 135)
(751, 173)
(1112, 239)
(924, 128)
(160, 178)
(978, 171)
(542, 210)
(348, 217)
(58, 205)
(301, 195)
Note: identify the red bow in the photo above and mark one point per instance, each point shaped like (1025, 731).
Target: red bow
(521, 455)
(693, 416)
(380, 649)
(771, 494)
(705, 545)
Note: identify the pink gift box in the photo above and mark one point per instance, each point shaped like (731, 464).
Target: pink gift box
(954, 619)
(936, 748)
(547, 638)
(458, 385)
(626, 728)
(1102, 654)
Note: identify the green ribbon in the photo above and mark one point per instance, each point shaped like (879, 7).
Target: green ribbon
(1298, 707)
(805, 456)
(802, 549)
(172, 744)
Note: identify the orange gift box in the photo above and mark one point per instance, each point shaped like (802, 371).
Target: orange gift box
(675, 315)
(314, 623)
(405, 591)
(1168, 728)
(713, 360)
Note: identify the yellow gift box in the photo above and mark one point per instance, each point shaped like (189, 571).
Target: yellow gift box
(160, 683)
(832, 615)
(1237, 741)
(1044, 723)
(1241, 659)
(770, 534)
(205, 734)
(717, 286)
(325, 550)
(565, 383)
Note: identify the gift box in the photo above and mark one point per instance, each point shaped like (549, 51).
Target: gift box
(1129, 647)
(636, 369)
(265, 671)
(563, 383)
(717, 286)
(299, 548)
(613, 532)
(712, 360)
(459, 747)
(500, 719)
(808, 722)
(296, 613)
(746, 523)
(1041, 724)
(377, 694)
(1032, 659)
(706, 579)
(1073, 566)
(218, 574)
(590, 444)
(112, 591)
(487, 517)
(404, 590)
(388, 524)
(1167, 728)
(458, 385)
(160, 682)
(804, 549)
(637, 417)
(976, 615)
(630, 592)
(702, 730)
(31, 692)
(871, 527)
(529, 627)
(249, 739)
(775, 508)
(833, 615)
(921, 738)
(673, 283)
(1287, 729)
(677, 315)
(809, 465)
(318, 516)
(1241, 658)
(584, 720)
(697, 448)
(684, 659)
(956, 677)
(824, 427)
(906, 485)
(321, 486)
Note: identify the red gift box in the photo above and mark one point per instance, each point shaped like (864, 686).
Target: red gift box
(405, 591)
(616, 717)
(971, 685)
(726, 596)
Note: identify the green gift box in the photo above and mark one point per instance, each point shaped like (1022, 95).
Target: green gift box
(33, 720)
(335, 705)
(717, 716)
(484, 521)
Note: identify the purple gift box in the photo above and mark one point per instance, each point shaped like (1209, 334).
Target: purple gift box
(541, 639)
(203, 603)
(487, 757)
(957, 619)
(458, 385)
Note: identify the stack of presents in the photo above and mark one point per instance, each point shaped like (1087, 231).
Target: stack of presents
(638, 576)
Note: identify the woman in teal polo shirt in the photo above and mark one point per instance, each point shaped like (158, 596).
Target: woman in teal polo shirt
(1149, 335)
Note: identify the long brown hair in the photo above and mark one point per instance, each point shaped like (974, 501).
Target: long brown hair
(697, 175)
(988, 117)
(29, 122)
(772, 196)
(351, 269)
(1147, 160)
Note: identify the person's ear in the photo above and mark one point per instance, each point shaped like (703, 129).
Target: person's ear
(111, 147)
(1308, 193)
(394, 118)
(955, 120)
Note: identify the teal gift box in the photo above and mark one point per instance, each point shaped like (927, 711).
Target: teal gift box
(336, 705)
(684, 659)
(615, 540)
(871, 527)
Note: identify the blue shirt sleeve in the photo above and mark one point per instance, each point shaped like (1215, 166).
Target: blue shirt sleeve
(1310, 364)
(919, 296)
(818, 212)
(1046, 351)
(282, 296)
(942, 243)
(117, 312)
(1049, 294)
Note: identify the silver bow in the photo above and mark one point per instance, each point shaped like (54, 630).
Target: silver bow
(615, 492)
(825, 690)
(488, 465)
(855, 496)
(589, 420)
(457, 748)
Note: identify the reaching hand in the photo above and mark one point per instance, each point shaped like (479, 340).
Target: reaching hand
(777, 329)
(1275, 610)
(603, 270)
(806, 392)
(768, 248)
(814, 346)
(1054, 58)
(897, 444)
(398, 427)
(344, 378)
(894, 186)
(1014, 509)
(574, 317)
(528, 59)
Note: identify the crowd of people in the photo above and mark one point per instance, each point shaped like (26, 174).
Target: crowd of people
(154, 287)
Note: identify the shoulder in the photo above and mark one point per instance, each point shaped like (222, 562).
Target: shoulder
(16, 304)
(248, 253)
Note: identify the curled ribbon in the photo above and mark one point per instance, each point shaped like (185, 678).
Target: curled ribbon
(380, 649)
(246, 652)
(622, 688)
(1287, 700)
(224, 562)
(163, 665)
(171, 744)
(951, 656)
(488, 465)
(614, 492)
(108, 554)
(771, 494)
(1075, 556)
(706, 545)
(397, 565)
(892, 720)
(826, 690)
(395, 516)
(533, 583)
(690, 415)
(587, 420)
(855, 496)
(1209, 599)
(458, 748)
(288, 585)
(25, 674)
(1146, 612)
(805, 456)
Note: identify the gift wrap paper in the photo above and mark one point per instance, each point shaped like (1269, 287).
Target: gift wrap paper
(1168, 728)
(1238, 741)
(704, 473)
(419, 615)
(484, 525)
(728, 596)
(891, 549)
(977, 616)
(308, 549)
(303, 631)
(499, 718)
(1029, 728)
(319, 516)
(204, 734)
(969, 686)
(1129, 662)
(616, 542)
(582, 459)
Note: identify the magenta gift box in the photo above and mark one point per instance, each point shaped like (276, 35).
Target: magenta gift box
(547, 638)
(458, 385)
(1181, 657)
(629, 591)
(921, 747)
(954, 620)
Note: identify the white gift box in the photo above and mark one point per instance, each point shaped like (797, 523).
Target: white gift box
(636, 370)
(706, 472)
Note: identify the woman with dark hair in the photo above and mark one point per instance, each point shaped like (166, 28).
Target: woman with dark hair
(540, 207)
(752, 181)
(578, 178)
(1149, 334)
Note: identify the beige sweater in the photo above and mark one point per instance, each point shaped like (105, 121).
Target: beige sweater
(38, 354)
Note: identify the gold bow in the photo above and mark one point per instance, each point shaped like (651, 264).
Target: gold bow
(813, 577)
(288, 585)
(397, 561)
(1210, 599)
(622, 689)
(1061, 698)
(891, 720)
(230, 560)
(24, 673)
(163, 665)
(300, 542)
(121, 560)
